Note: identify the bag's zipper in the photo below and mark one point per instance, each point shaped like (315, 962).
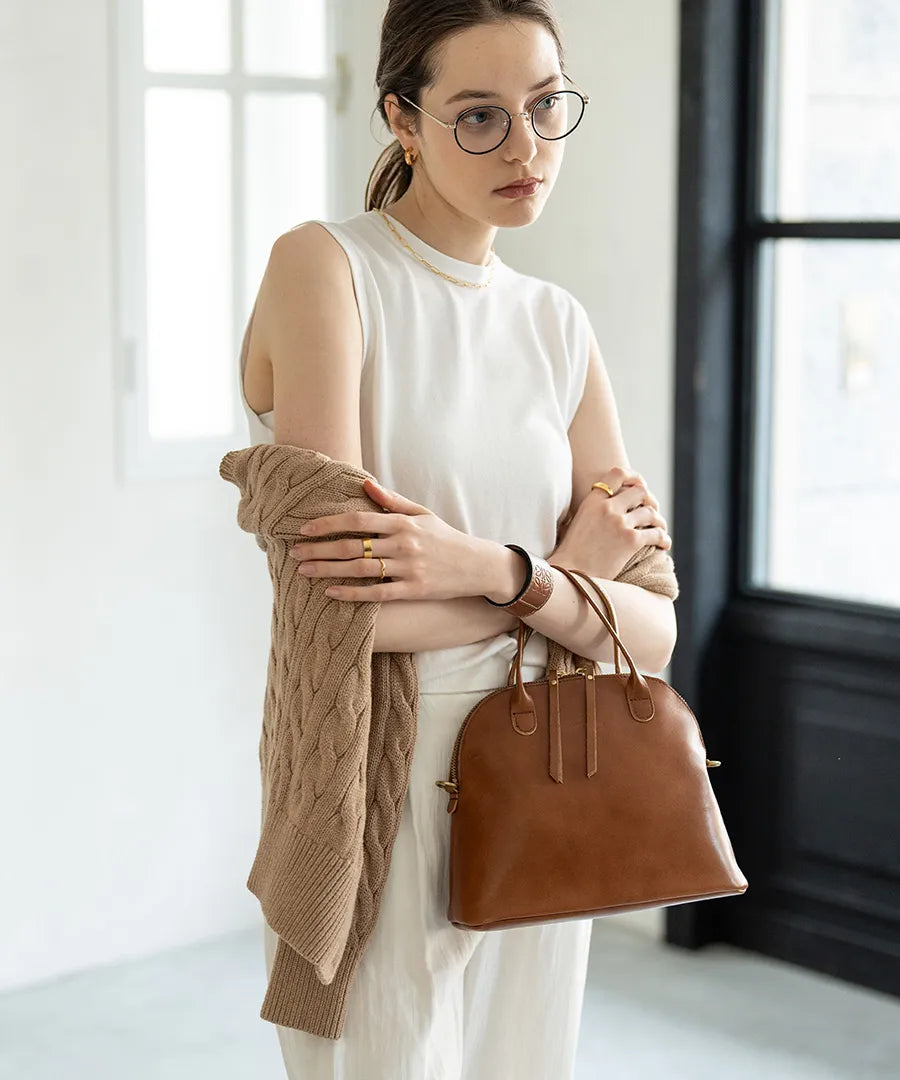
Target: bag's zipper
(451, 786)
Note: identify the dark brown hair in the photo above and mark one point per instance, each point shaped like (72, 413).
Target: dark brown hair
(411, 34)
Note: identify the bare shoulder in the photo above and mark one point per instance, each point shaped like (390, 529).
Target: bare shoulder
(307, 257)
(310, 329)
(311, 241)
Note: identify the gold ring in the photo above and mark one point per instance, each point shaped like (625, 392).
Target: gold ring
(382, 566)
(606, 487)
(367, 548)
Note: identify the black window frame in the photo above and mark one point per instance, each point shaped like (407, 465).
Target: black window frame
(720, 233)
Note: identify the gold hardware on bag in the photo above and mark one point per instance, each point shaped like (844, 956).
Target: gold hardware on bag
(452, 790)
(710, 764)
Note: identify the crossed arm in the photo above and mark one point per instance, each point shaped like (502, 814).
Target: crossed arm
(646, 620)
(307, 312)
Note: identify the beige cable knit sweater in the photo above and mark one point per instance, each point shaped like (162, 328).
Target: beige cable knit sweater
(338, 729)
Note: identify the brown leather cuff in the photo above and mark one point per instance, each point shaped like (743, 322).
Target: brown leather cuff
(537, 587)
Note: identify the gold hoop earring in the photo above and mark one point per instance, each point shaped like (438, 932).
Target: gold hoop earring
(410, 155)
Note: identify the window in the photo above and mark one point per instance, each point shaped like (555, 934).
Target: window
(227, 136)
(822, 242)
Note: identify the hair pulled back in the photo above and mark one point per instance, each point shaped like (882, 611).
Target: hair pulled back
(412, 32)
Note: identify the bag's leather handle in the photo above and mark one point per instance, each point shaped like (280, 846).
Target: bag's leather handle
(527, 630)
(640, 698)
(613, 630)
(637, 691)
(610, 611)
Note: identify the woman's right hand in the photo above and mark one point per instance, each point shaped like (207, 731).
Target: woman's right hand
(606, 530)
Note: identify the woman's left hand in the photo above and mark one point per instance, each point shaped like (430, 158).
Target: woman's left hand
(425, 558)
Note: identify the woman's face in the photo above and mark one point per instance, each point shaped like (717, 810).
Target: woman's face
(507, 59)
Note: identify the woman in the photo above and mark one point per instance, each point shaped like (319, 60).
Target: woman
(398, 341)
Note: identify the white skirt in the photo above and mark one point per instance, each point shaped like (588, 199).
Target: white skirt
(431, 1001)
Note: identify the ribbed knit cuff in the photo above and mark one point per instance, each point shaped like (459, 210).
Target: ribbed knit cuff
(306, 891)
(295, 998)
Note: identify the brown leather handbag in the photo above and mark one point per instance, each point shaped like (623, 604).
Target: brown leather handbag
(580, 795)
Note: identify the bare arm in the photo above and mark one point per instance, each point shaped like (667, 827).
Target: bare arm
(415, 625)
(308, 321)
(646, 620)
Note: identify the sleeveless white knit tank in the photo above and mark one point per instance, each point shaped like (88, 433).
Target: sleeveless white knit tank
(465, 401)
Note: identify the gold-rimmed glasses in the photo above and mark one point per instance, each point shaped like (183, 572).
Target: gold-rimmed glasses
(481, 129)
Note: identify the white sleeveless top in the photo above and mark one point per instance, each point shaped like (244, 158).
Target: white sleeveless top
(466, 396)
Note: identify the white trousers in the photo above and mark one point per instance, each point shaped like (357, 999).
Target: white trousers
(431, 1001)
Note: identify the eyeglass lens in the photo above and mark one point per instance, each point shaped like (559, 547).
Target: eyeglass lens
(484, 128)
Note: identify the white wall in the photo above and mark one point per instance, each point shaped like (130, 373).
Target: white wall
(133, 652)
(135, 619)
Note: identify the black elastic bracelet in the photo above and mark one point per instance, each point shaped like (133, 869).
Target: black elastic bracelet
(528, 575)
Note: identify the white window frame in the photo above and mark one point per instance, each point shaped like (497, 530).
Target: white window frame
(139, 456)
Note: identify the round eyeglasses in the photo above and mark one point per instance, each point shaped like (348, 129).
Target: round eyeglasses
(481, 129)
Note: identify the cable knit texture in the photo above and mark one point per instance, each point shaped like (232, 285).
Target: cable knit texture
(338, 731)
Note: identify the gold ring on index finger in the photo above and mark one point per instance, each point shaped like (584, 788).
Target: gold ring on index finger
(606, 487)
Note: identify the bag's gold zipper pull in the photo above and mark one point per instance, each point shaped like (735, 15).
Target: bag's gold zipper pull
(452, 790)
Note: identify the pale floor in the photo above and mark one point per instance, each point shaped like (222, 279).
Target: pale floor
(652, 1012)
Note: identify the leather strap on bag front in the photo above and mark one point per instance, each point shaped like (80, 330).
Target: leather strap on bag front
(555, 723)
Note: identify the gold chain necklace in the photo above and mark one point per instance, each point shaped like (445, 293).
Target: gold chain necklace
(449, 277)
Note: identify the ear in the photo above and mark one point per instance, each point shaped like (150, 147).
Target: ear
(402, 125)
